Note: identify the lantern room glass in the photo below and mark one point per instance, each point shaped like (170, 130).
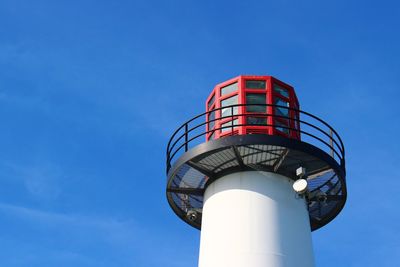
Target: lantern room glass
(233, 100)
(229, 89)
(256, 99)
(282, 111)
(255, 84)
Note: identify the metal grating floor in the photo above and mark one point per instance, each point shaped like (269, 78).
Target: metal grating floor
(188, 181)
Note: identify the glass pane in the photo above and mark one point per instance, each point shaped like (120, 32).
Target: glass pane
(229, 89)
(211, 136)
(256, 121)
(295, 121)
(281, 110)
(278, 126)
(252, 84)
(233, 100)
(211, 116)
(282, 91)
(229, 123)
(211, 101)
(256, 99)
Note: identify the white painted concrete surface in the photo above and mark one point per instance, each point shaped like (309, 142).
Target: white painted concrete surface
(254, 219)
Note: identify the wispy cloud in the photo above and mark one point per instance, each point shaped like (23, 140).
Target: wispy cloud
(127, 242)
(41, 180)
(73, 233)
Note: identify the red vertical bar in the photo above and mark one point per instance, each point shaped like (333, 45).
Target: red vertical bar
(270, 101)
(207, 122)
(292, 132)
(217, 112)
(242, 109)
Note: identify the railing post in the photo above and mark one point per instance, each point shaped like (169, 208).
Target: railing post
(186, 137)
(168, 161)
(331, 142)
(232, 119)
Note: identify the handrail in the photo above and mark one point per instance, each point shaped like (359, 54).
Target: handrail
(333, 138)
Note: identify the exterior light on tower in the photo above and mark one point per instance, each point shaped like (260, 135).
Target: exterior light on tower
(256, 175)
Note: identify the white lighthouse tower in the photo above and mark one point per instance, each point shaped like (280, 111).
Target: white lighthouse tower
(256, 174)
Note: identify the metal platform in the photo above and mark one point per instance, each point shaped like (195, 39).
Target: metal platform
(199, 164)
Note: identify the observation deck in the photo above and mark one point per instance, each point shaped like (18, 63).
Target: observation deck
(198, 154)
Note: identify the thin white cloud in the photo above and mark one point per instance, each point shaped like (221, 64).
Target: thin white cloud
(41, 180)
(129, 241)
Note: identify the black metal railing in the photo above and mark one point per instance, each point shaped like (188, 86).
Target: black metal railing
(311, 129)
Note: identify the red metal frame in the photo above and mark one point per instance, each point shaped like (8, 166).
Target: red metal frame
(241, 92)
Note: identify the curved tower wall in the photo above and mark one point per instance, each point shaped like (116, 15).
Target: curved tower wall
(254, 219)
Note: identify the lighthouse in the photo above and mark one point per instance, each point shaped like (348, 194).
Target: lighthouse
(256, 175)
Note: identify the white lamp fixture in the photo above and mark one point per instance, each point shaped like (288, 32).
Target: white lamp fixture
(300, 186)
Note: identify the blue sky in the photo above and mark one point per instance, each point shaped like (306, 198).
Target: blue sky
(90, 92)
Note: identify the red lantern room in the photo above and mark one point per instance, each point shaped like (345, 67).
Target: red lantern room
(252, 105)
